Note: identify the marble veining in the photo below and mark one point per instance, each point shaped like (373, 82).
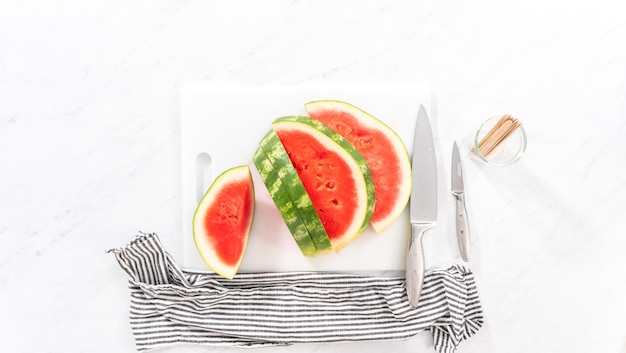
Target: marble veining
(90, 149)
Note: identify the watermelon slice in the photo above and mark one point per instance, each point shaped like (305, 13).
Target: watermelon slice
(335, 175)
(276, 154)
(281, 198)
(222, 221)
(383, 149)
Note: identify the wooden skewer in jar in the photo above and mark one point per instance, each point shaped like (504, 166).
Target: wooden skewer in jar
(502, 130)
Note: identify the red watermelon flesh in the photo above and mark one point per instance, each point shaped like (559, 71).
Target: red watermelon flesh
(383, 149)
(323, 174)
(225, 218)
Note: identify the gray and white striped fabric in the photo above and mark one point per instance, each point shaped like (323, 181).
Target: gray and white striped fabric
(170, 306)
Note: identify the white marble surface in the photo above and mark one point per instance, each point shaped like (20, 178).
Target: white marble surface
(90, 149)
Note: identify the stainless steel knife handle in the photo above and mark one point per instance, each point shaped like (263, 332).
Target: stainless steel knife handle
(415, 263)
(462, 227)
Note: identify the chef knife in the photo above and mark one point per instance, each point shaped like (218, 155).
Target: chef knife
(458, 190)
(423, 204)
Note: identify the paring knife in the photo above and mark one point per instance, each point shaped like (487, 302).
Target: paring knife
(423, 204)
(462, 223)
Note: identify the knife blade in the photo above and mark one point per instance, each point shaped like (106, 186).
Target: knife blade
(458, 191)
(423, 204)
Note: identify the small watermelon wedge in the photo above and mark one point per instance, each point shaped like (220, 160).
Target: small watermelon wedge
(223, 219)
(335, 175)
(383, 149)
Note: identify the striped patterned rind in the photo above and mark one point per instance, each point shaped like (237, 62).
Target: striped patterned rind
(355, 159)
(283, 202)
(276, 154)
(169, 306)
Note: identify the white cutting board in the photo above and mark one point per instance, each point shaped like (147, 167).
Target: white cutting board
(221, 127)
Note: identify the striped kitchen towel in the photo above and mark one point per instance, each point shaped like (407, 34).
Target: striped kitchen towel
(170, 306)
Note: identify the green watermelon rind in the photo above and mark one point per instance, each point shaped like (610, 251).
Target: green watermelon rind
(206, 250)
(281, 199)
(366, 118)
(353, 156)
(276, 154)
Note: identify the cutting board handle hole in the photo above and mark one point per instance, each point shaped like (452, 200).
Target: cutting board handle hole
(203, 174)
